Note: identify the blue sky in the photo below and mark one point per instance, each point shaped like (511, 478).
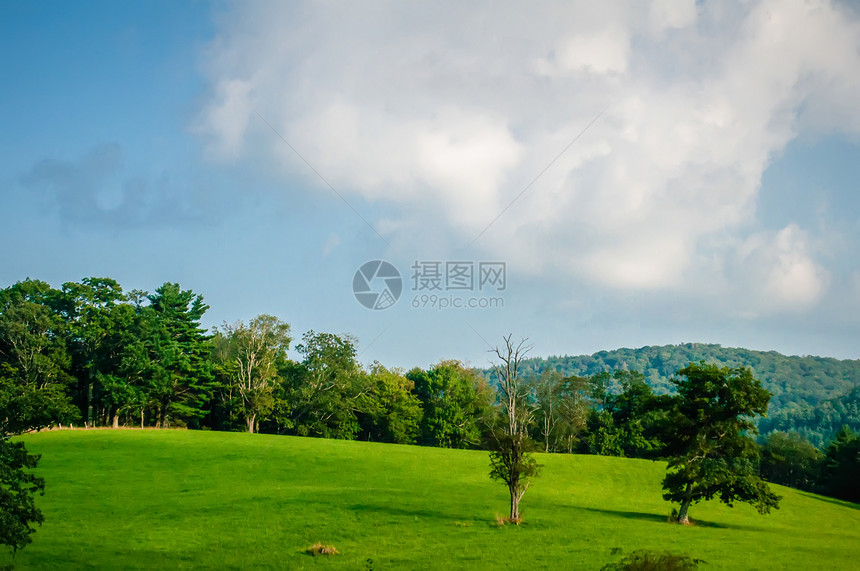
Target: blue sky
(259, 153)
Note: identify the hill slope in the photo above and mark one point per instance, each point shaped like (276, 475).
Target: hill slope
(167, 499)
(793, 380)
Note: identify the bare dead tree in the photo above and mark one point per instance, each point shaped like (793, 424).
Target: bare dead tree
(511, 460)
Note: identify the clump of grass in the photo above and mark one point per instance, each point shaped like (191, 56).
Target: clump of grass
(504, 520)
(673, 518)
(319, 548)
(647, 560)
(463, 523)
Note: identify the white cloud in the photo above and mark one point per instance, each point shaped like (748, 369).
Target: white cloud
(604, 51)
(668, 14)
(225, 119)
(781, 263)
(448, 110)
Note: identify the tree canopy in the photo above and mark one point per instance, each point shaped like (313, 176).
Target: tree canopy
(707, 442)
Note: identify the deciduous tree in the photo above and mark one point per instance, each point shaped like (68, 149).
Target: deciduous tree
(455, 401)
(323, 390)
(34, 365)
(389, 411)
(708, 443)
(254, 351)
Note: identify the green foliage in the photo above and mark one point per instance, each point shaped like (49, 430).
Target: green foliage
(389, 411)
(706, 436)
(818, 423)
(511, 447)
(34, 361)
(561, 410)
(791, 460)
(648, 560)
(34, 365)
(512, 462)
(176, 354)
(793, 381)
(246, 358)
(100, 326)
(840, 475)
(28, 406)
(626, 421)
(455, 400)
(18, 486)
(323, 390)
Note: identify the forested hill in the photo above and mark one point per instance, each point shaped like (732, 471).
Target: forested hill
(793, 380)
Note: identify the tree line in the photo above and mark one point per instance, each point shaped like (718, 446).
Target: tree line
(110, 358)
(90, 353)
(620, 414)
(808, 392)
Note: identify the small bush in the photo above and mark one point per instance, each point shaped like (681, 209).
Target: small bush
(321, 549)
(646, 560)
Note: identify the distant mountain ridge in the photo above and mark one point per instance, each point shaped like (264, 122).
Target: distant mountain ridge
(794, 381)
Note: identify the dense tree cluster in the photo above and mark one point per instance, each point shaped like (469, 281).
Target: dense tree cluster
(802, 388)
(817, 423)
(791, 460)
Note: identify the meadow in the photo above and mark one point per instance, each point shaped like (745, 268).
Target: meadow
(197, 499)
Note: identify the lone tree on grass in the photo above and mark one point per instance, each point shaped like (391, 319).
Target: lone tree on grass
(511, 460)
(711, 454)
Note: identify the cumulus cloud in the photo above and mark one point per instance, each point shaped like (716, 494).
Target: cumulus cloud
(448, 110)
(780, 262)
(226, 117)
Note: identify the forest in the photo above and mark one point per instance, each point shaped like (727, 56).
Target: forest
(814, 396)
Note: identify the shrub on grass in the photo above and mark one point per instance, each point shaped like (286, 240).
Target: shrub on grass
(647, 560)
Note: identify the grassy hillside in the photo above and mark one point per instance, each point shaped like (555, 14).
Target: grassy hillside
(177, 499)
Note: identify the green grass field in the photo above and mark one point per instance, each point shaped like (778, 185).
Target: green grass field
(126, 499)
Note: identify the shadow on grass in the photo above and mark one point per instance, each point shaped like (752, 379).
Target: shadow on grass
(413, 513)
(657, 518)
(626, 515)
(838, 502)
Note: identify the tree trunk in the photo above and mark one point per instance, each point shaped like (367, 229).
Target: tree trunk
(141, 417)
(685, 505)
(162, 416)
(89, 400)
(515, 504)
(115, 423)
(250, 422)
(546, 430)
